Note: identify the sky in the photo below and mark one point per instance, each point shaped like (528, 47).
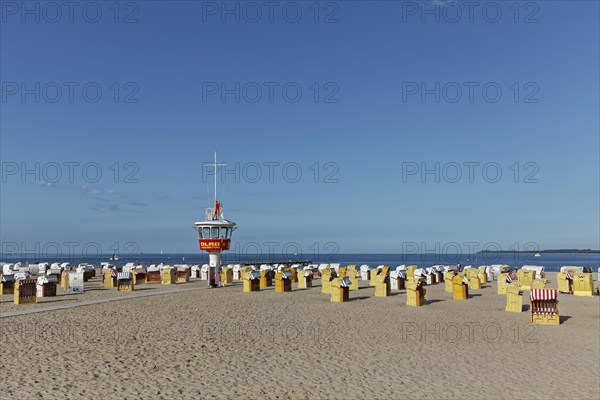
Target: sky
(348, 126)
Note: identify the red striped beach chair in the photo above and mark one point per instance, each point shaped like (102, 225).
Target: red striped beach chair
(544, 306)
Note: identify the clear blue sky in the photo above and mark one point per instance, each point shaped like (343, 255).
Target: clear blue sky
(369, 59)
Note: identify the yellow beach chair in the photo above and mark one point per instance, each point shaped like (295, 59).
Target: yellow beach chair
(415, 294)
(266, 278)
(514, 298)
(340, 290)
(525, 278)
(168, 276)
(354, 274)
(482, 275)
(410, 273)
(251, 281)
(460, 288)
(283, 282)
(564, 281)
(583, 284)
(382, 282)
(539, 283)
(327, 275)
(304, 278)
(448, 276)
(109, 279)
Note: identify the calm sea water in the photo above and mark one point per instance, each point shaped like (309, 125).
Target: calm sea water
(552, 262)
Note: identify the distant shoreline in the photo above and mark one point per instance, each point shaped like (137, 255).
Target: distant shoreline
(558, 251)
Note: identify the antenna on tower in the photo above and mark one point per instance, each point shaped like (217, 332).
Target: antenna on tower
(216, 165)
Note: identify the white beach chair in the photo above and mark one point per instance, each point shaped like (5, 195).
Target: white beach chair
(539, 270)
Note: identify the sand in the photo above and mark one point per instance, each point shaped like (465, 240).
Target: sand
(223, 343)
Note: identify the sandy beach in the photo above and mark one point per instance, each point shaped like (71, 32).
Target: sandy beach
(203, 343)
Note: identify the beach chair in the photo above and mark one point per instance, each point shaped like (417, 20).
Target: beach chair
(415, 294)
(128, 267)
(8, 284)
(482, 274)
(439, 273)
(75, 282)
(564, 281)
(544, 307)
(204, 272)
(504, 279)
(246, 270)
(410, 273)
(305, 277)
(382, 282)
(168, 276)
(237, 276)
(327, 275)
(226, 275)
(526, 277)
(538, 269)
(25, 291)
(153, 274)
(355, 275)
(64, 279)
(251, 280)
(448, 276)
(373, 276)
(342, 272)
(340, 289)
(365, 273)
(397, 281)
(195, 272)
(125, 282)
(139, 276)
(46, 286)
(266, 278)
(109, 279)
(54, 272)
(460, 288)
(539, 283)
(583, 284)
(283, 282)
(294, 270)
(514, 298)
(182, 274)
(430, 276)
(472, 275)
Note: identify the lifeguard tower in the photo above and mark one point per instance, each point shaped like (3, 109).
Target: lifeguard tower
(214, 234)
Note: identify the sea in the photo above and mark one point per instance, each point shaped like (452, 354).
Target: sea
(551, 261)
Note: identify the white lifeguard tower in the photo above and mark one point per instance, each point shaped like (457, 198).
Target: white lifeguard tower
(214, 234)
